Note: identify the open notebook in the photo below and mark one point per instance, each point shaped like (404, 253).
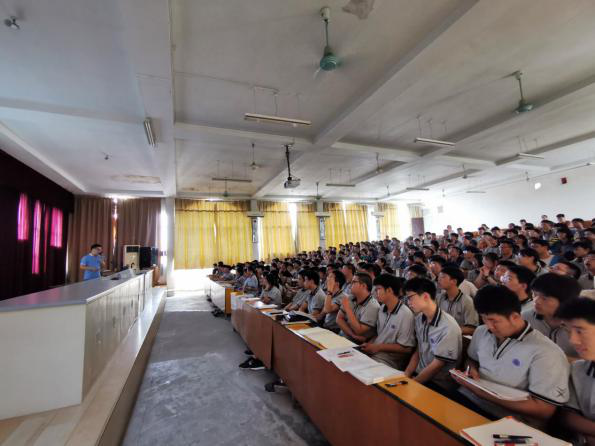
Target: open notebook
(483, 435)
(497, 390)
(326, 338)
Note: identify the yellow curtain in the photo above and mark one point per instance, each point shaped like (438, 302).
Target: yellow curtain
(234, 231)
(277, 236)
(195, 245)
(356, 222)
(389, 224)
(335, 225)
(348, 223)
(307, 227)
(208, 232)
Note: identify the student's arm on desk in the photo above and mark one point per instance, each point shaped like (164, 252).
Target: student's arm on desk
(342, 323)
(370, 347)
(467, 329)
(412, 366)
(329, 306)
(356, 326)
(429, 371)
(532, 407)
(576, 422)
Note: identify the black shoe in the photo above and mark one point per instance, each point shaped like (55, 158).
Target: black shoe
(248, 352)
(256, 365)
(246, 364)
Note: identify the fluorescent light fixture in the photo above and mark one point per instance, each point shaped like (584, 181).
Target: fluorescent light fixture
(232, 180)
(530, 156)
(417, 188)
(149, 132)
(340, 184)
(476, 192)
(537, 186)
(269, 119)
(436, 142)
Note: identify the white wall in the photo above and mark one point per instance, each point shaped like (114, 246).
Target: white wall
(509, 203)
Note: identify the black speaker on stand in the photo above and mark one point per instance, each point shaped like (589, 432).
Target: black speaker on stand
(148, 257)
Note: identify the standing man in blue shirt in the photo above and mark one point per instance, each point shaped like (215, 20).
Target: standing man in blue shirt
(92, 263)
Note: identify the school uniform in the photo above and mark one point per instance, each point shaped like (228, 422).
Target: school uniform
(395, 327)
(440, 338)
(347, 289)
(366, 312)
(315, 300)
(300, 296)
(587, 281)
(468, 288)
(330, 319)
(461, 308)
(582, 388)
(527, 304)
(274, 294)
(527, 361)
(250, 282)
(558, 335)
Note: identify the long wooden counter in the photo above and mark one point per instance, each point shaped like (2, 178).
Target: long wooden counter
(55, 343)
(346, 411)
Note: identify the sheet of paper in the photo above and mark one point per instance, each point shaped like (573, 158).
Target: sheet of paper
(482, 435)
(261, 305)
(350, 359)
(497, 390)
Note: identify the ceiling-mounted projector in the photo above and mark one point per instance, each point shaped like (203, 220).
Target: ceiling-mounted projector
(291, 183)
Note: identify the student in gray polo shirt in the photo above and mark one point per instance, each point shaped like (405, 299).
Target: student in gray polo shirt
(549, 291)
(439, 338)
(271, 294)
(357, 316)
(314, 301)
(579, 414)
(454, 302)
(300, 295)
(335, 281)
(395, 326)
(508, 351)
(518, 279)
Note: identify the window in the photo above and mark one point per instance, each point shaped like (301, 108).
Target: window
(23, 218)
(56, 235)
(36, 237)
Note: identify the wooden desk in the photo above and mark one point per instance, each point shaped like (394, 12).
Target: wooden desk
(346, 411)
(256, 329)
(220, 295)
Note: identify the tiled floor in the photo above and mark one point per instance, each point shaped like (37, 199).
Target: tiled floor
(193, 392)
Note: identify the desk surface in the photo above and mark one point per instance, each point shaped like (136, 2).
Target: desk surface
(73, 294)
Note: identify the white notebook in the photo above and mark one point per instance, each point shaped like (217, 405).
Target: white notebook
(497, 390)
(376, 374)
(483, 435)
(326, 338)
(262, 306)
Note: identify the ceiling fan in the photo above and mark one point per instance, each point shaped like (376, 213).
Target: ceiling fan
(329, 61)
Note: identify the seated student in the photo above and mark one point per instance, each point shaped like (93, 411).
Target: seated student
(549, 292)
(579, 414)
(566, 268)
(271, 294)
(300, 295)
(487, 270)
(439, 339)
(373, 271)
(507, 250)
(456, 303)
(416, 270)
(225, 274)
(322, 271)
(348, 271)
(395, 326)
(587, 280)
(581, 251)
(529, 258)
(238, 283)
(543, 249)
(251, 285)
(508, 351)
(314, 301)
(518, 279)
(335, 281)
(357, 316)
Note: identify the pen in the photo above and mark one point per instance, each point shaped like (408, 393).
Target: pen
(510, 437)
(507, 441)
